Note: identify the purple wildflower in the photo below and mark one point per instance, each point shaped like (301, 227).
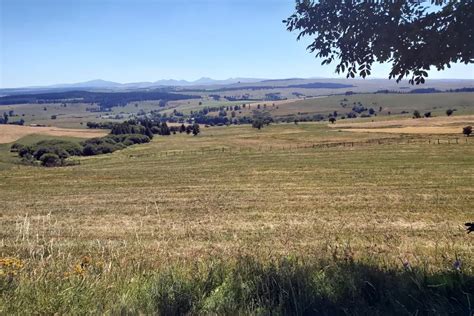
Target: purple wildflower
(457, 264)
(406, 265)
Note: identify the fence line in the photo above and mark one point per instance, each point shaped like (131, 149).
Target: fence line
(294, 148)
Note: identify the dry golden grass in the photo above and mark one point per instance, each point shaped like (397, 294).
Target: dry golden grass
(434, 125)
(380, 202)
(11, 133)
(432, 130)
(440, 121)
(96, 232)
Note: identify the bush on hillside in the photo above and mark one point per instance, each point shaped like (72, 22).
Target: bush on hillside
(111, 143)
(467, 130)
(72, 148)
(16, 147)
(46, 151)
(50, 160)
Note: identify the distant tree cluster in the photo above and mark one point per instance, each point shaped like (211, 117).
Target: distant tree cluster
(101, 125)
(111, 143)
(105, 100)
(144, 126)
(261, 119)
(358, 109)
(237, 98)
(53, 153)
(5, 119)
(274, 96)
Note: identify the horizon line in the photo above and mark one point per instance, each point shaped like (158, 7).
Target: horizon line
(225, 79)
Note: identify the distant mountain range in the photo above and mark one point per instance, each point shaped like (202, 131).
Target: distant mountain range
(103, 84)
(231, 84)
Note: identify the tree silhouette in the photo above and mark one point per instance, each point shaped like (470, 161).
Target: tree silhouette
(257, 123)
(467, 130)
(405, 33)
(196, 129)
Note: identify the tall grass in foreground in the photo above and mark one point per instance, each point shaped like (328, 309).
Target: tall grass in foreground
(241, 286)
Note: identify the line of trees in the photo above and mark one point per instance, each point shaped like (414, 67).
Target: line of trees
(105, 100)
(5, 119)
(52, 153)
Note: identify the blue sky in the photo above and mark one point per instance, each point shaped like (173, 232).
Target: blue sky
(62, 41)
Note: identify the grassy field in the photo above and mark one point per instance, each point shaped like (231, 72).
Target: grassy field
(436, 103)
(73, 115)
(120, 232)
(10, 133)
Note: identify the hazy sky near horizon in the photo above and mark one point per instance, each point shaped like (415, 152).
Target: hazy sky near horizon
(46, 42)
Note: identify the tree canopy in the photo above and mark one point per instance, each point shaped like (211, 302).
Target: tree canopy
(409, 34)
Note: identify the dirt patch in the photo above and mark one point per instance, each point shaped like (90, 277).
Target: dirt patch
(11, 133)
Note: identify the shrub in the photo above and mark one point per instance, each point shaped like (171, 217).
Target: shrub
(155, 130)
(107, 148)
(25, 151)
(128, 128)
(110, 139)
(89, 150)
(428, 114)
(72, 148)
(137, 139)
(416, 114)
(50, 160)
(467, 130)
(449, 112)
(257, 124)
(102, 148)
(16, 147)
(196, 129)
(50, 149)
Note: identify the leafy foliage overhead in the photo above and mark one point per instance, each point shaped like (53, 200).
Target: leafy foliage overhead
(409, 34)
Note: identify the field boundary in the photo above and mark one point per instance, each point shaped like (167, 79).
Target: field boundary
(295, 148)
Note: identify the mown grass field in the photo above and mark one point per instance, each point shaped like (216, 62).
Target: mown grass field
(173, 226)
